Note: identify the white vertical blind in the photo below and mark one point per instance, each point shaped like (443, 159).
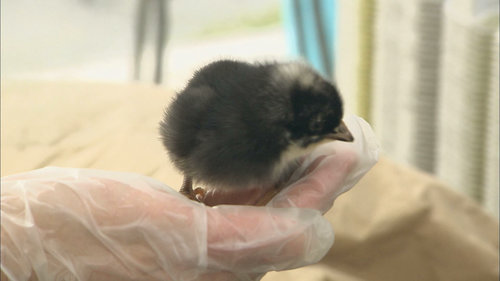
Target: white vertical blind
(434, 85)
(491, 169)
(465, 76)
(405, 79)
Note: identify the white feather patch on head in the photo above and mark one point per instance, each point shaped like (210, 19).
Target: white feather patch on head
(296, 71)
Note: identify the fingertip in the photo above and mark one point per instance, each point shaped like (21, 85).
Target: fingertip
(349, 156)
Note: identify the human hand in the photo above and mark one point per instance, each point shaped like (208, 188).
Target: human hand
(60, 224)
(96, 225)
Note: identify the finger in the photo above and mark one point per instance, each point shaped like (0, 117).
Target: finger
(260, 239)
(320, 187)
(332, 169)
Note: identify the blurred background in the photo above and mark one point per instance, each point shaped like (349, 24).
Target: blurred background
(113, 40)
(85, 82)
(424, 73)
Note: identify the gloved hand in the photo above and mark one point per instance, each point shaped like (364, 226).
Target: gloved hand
(76, 224)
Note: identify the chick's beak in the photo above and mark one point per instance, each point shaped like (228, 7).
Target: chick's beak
(341, 133)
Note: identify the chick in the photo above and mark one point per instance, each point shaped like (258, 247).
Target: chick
(238, 125)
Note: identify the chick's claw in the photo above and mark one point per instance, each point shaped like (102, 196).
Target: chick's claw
(188, 193)
(199, 194)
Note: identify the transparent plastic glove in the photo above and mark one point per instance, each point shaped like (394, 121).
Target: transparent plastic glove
(76, 224)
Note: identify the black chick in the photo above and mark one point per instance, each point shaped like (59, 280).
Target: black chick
(238, 125)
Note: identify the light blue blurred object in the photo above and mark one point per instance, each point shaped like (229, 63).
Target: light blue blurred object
(310, 29)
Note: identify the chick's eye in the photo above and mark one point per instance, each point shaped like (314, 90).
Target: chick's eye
(316, 124)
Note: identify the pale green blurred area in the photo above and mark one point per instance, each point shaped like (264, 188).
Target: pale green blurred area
(93, 40)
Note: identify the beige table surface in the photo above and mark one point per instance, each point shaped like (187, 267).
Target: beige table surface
(396, 224)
